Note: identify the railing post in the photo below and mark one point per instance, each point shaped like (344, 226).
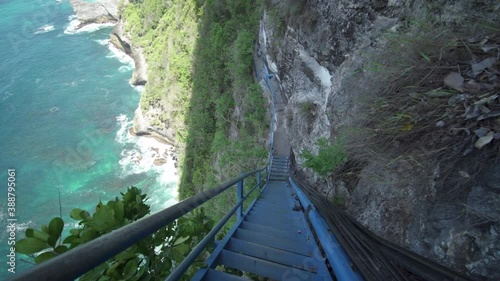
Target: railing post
(258, 179)
(239, 196)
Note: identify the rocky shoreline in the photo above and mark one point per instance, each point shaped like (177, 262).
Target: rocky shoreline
(107, 11)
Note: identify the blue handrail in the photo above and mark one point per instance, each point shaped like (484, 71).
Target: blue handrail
(80, 260)
(186, 263)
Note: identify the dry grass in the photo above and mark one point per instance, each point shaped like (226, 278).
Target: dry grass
(410, 118)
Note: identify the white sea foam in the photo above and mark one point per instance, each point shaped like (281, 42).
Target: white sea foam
(102, 42)
(138, 156)
(21, 227)
(120, 55)
(125, 68)
(138, 88)
(44, 29)
(74, 24)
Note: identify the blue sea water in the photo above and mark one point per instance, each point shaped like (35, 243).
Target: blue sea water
(65, 109)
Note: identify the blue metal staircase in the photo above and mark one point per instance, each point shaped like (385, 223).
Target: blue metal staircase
(273, 238)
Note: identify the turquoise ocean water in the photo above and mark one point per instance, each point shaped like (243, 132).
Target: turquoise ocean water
(65, 109)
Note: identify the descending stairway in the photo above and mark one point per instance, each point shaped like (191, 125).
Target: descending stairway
(273, 240)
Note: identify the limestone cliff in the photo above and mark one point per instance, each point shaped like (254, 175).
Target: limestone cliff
(95, 12)
(120, 39)
(315, 47)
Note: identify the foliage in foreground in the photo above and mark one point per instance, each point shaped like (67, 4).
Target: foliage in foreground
(152, 258)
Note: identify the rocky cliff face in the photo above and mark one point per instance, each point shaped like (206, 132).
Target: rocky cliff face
(120, 39)
(315, 46)
(96, 12)
(105, 11)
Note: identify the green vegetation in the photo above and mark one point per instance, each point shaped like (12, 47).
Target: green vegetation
(339, 200)
(414, 101)
(199, 56)
(152, 258)
(328, 158)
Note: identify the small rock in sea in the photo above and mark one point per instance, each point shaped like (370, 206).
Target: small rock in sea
(160, 161)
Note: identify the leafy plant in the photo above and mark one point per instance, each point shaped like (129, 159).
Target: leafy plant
(152, 258)
(328, 158)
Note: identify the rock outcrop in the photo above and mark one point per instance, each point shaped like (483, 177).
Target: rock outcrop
(315, 47)
(122, 42)
(95, 12)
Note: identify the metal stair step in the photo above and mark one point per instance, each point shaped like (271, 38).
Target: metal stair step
(285, 224)
(278, 179)
(271, 205)
(280, 167)
(262, 267)
(242, 233)
(272, 254)
(215, 275)
(276, 194)
(279, 172)
(289, 245)
(266, 229)
(287, 215)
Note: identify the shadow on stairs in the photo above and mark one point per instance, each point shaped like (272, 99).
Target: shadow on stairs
(272, 240)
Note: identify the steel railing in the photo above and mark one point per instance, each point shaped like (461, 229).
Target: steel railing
(76, 262)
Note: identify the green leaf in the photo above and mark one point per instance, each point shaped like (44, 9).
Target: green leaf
(56, 226)
(33, 233)
(43, 257)
(30, 246)
(180, 240)
(425, 56)
(75, 231)
(76, 214)
(52, 241)
(45, 228)
(130, 268)
(103, 219)
(95, 273)
(70, 239)
(88, 234)
(119, 209)
(61, 249)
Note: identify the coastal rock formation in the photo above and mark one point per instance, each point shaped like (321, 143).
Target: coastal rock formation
(140, 124)
(122, 42)
(95, 12)
(105, 11)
